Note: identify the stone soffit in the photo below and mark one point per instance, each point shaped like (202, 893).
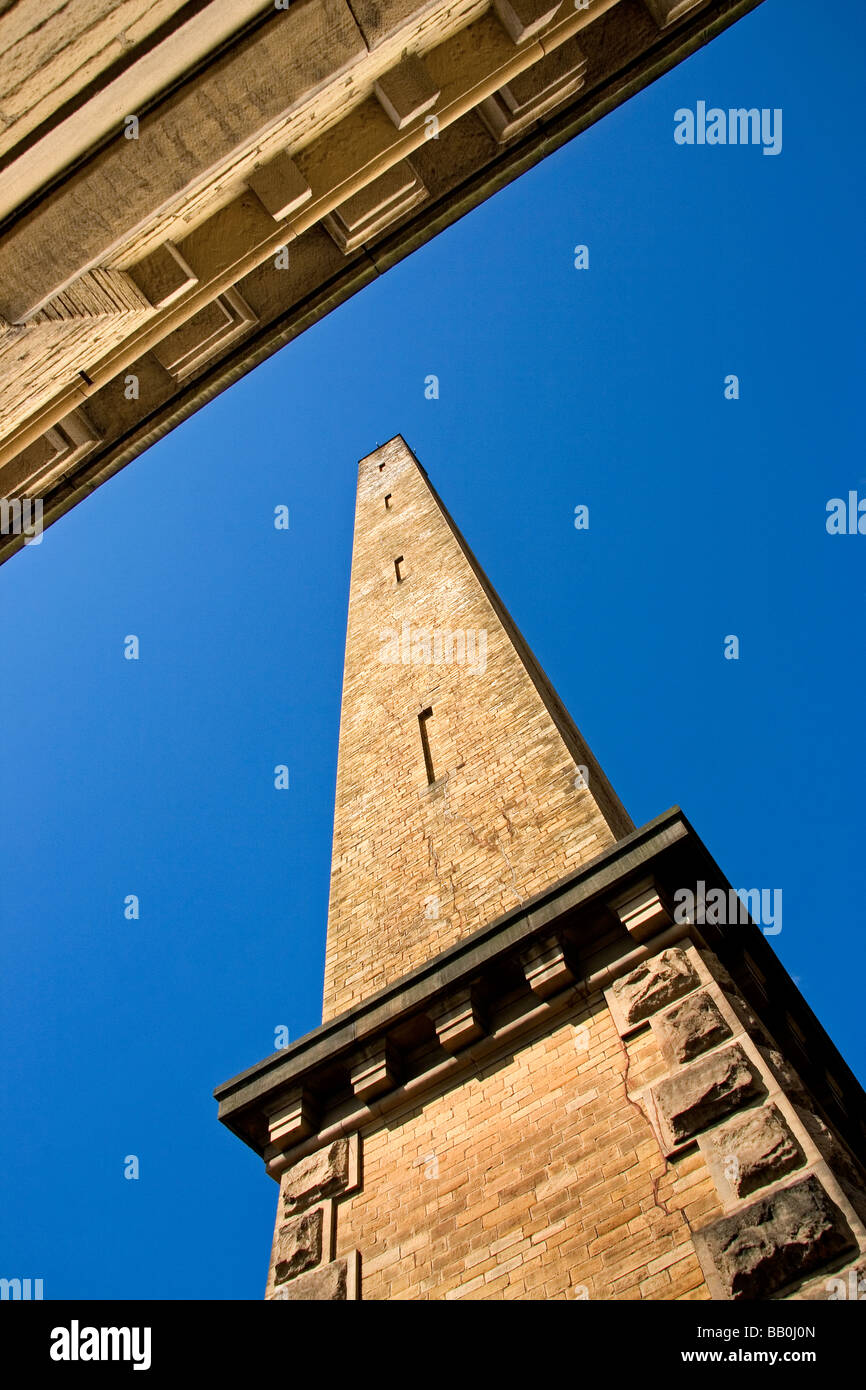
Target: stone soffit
(288, 158)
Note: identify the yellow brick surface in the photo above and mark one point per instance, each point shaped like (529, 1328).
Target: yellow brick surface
(528, 1180)
(416, 867)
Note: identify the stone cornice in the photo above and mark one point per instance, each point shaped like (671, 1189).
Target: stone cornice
(231, 235)
(501, 983)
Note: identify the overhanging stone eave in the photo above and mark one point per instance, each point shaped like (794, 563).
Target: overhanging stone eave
(668, 851)
(671, 47)
(604, 876)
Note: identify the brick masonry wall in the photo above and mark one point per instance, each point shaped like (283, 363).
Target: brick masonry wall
(535, 1179)
(417, 866)
(645, 1142)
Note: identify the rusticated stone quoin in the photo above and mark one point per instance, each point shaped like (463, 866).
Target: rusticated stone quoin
(327, 1284)
(298, 1245)
(705, 1092)
(783, 1237)
(655, 983)
(752, 1150)
(692, 1027)
(320, 1174)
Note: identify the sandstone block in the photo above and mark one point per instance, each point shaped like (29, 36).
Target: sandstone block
(164, 275)
(280, 186)
(655, 983)
(523, 19)
(320, 1174)
(690, 1028)
(327, 1284)
(406, 92)
(376, 1070)
(752, 1150)
(783, 1237)
(375, 206)
(298, 1245)
(528, 97)
(705, 1092)
(291, 1118)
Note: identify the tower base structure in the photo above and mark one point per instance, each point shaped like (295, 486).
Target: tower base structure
(588, 1098)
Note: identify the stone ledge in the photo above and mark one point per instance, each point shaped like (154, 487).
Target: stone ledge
(322, 1062)
(450, 971)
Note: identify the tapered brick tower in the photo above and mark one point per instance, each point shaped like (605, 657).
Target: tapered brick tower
(558, 1060)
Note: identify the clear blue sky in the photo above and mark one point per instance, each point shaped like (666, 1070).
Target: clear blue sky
(558, 387)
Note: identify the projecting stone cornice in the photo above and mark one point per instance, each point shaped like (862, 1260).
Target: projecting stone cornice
(71, 76)
(313, 153)
(488, 994)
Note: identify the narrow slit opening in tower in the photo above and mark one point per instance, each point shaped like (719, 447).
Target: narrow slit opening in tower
(387, 501)
(398, 568)
(423, 721)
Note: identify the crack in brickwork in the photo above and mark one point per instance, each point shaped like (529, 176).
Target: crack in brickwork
(666, 1167)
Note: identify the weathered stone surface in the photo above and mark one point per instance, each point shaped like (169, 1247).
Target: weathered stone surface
(848, 1172)
(655, 983)
(406, 92)
(530, 95)
(690, 1028)
(164, 275)
(753, 1149)
(298, 1245)
(523, 19)
(375, 206)
(186, 138)
(705, 1092)
(280, 186)
(784, 1237)
(319, 1174)
(216, 116)
(327, 1284)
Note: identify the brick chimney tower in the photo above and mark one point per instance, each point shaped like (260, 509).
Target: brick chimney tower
(558, 1058)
